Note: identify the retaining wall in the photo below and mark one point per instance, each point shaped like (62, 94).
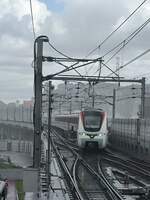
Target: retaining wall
(12, 174)
(16, 146)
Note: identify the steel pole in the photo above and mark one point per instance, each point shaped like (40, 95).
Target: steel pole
(22, 113)
(114, 104)
(49, 137)
(38, 103)
(70, 108)
(143, 98)
(93, 97)
(7, 112)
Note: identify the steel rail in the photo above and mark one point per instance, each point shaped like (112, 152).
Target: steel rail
(104, 181)
(75, 177)
(115, 194)
(127, 166)
(133, 178)
(86, 194)
(76, 191)
(140, 163)
(130, 163)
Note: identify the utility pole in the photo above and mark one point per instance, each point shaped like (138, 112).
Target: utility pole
(93, 97)
(114, 104)
(38, 101)
(49, 136)
(143, 98)
(22, 113)
(7, 112)
(117, 67)
(70, 108)
(15, 113)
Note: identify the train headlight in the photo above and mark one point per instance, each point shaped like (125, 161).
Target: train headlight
(100, 134)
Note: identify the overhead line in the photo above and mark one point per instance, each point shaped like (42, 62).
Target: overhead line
(70, 68)
(32, 19)
(59, 51)
(116, 29)
(125, 41)
(131, 61)
(67, 67)
(129, 38)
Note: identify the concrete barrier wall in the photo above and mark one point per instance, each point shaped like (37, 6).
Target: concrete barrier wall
(12, 174)
(132, 135)
(16, 146)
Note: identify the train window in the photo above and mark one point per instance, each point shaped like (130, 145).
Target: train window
(92, 120)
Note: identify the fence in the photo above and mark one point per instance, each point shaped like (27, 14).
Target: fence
(131, 134)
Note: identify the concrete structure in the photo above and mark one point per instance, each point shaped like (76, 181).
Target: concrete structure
(16, 137)
(132, 136)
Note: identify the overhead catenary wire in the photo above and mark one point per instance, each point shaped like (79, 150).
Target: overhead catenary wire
(125, 41)
(70, 68)
(61, 53)
(58, 51)
(67, 68)
(32, 19)
(116, 28)
(131, 61)
(103, 41)
(128, 39)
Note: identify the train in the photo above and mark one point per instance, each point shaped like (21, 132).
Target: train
(90, 126)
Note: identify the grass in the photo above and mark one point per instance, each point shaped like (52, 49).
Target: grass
(19, 188)
(7, 165)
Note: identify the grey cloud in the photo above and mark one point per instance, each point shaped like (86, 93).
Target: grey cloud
(14, 27)
(80, 27)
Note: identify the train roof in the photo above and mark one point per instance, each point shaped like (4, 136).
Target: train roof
(77, 113)
(93, 109)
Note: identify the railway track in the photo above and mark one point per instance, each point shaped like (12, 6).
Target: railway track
(100, 188)
(142, 170)
(131, 176)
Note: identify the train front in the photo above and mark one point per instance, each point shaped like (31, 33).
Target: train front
(92, 129)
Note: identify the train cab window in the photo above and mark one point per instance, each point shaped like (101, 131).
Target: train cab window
(92, 120)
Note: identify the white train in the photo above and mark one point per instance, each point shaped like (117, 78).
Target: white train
(90, 124)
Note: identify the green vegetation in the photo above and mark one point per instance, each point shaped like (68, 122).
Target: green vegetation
(19, 188)
(7, 165)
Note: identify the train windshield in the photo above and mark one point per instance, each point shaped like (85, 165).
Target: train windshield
(92, 120)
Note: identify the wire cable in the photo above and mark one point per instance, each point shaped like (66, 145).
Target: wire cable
(59, 51)
(116, 28)
(32, 19)
(131, 61)
(66, 57)
(125, 41)
(129, 38)
(67, 68)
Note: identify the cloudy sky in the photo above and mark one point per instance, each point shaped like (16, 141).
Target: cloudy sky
(73, 26)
